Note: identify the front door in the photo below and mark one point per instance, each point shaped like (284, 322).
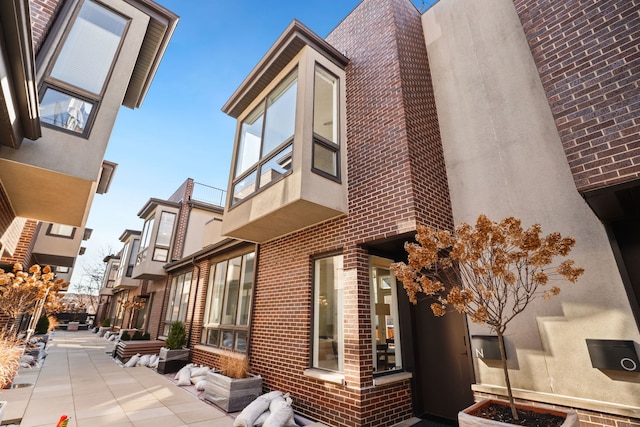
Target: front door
(443, 370)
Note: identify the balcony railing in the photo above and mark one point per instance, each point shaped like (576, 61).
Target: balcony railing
(208, 194)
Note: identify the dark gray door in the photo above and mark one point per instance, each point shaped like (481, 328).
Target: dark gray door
(443, 368)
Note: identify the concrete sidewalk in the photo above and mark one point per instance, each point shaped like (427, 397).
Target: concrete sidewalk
(79, 379)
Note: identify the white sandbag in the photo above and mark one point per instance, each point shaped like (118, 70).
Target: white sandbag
(195, 380)
(133, 361)
(199, 372)
(144, 360)
(155, 362)
(152, 360)
(271, 395)
(281, 417)
(251, 412)
(261, 419)
(201, 385)
(187, 367)
(184, 376)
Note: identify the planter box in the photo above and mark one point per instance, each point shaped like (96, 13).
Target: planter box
(467, 420)
(172, 360)
(73, 326)
(229, 394)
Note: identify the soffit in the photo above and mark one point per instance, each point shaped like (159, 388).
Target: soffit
(288, 45)
(161, 26)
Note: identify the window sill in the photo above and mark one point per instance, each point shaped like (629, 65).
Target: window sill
(322, 375)
(392, 378)
(212, 350)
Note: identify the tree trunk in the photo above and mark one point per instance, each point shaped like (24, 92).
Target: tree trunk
(503, 357)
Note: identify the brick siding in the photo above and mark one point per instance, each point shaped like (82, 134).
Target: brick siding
(396, 177)
(588, 56)
(23, 251)
(42, 16)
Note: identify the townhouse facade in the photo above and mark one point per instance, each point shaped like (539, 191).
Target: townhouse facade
(67, 67)
(397, 118)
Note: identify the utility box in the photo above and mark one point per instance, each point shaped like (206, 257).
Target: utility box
(617, 355)
(486, 347)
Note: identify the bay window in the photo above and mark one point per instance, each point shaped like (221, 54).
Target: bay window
(77, 77)
(328, 342)
(229, 294)
(163, 238)
(147, 229)
(325, 124)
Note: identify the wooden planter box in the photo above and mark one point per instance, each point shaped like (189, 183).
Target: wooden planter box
(465, 419)
(230, 394)
(125, 349)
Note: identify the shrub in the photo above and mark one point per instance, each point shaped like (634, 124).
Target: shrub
(137, 335)
(146, 336)
(10, 353)
(177, 337)
(125, 336)
(42, 327)
(106, 322)
(234, 366)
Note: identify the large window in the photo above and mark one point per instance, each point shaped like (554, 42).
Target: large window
(61, 230)
(328, 342)
(384, 312)
(146, 237)
(76, 80)
(178, 300)
(163, 239)
(266, 141)
(226, 319)
(325, 124)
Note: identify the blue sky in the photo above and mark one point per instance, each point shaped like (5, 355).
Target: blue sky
(180, 131)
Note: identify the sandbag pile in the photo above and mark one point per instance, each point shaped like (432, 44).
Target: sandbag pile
(272, 409)
(148, 360)
(193, 374)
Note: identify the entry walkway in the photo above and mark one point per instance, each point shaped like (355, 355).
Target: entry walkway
(79, 379)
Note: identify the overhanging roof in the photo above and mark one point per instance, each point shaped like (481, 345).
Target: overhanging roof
(288, 45)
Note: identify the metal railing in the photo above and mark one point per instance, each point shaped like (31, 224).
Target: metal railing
(208, 194)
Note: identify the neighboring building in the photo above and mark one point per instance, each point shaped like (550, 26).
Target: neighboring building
(66, 68)
(107, 307)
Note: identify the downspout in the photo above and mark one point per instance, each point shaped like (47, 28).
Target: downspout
(195, 299)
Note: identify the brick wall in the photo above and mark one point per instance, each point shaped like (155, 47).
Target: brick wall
(42, 14)
(22, 254)
(588, 55)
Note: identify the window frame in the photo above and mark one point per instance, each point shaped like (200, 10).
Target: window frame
(163, 247)
(320, 140)
(265, 158)
(181, 315)
(315, 312)
(50, 231)
(145, 238)
(56, 47)
(219, 329)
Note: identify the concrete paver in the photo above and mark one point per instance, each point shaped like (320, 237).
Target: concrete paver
(79, 379)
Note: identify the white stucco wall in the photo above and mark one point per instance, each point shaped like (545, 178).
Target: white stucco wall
(504, 158)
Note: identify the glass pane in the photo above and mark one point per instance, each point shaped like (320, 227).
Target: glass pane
(90, 48)
(250, 138)
(160, 254)
(241, 341)
(233, 287)
(62, 230)
(64, 111)
(184, 298)
(327, 349)
(146, 233)
(134, 251)
(165, 228)
(385, 310)
(212, 337)
(172, 296)
(245, 188)
(276, 167)
(245, 290)
(227, 339)
(325, 160)
(281, 115)
(325, 105)
(215, 293)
